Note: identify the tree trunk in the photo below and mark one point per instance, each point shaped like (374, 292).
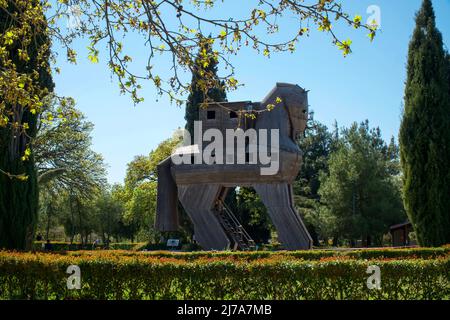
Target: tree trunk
(368, 241)
(19, 197)
(335, 241)
(47, 231)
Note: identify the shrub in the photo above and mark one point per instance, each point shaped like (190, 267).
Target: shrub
(67, 246)
(112, 275)
(419, 253)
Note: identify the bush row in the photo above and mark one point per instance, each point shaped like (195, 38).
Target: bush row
(75, 246)
(67, 246)
(43, 276)
(411, 253)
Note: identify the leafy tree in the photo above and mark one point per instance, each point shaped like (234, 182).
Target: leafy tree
(359, 192)
(448, 69)
(128, 225)
(63, 150)
(66, 165)
(141, 209)
(25, 82)
(205, 69)
(107, 21)
(316, 146)
(139, 170)
(424, 133)
(50, 211)
(108, 212)
(79, 216)
(140, 191)
(251, 213)
(393, 158)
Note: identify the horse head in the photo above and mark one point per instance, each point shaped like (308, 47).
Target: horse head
(291, 112)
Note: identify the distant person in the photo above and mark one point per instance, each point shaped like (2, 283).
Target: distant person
(48, 246)
(95, 244)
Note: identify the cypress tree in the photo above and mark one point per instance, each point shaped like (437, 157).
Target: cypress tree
(19, 197)
(205, 64)
(425, 133)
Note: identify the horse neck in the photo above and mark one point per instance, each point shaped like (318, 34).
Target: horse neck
(275, 119)
(279, 118)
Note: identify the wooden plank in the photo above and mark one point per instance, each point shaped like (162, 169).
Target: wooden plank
(238, 173)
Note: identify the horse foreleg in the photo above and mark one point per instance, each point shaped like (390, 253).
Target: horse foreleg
(199, 201)
(278, 200)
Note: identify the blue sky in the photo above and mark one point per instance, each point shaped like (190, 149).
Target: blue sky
(368, 84)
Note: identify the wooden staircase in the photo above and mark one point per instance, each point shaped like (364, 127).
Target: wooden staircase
(233, 228)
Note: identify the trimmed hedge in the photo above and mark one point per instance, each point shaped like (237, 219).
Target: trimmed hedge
(110, 275)
(420, 253)
(67, 246)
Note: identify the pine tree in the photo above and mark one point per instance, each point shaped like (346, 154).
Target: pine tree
(424, 133)
(360, 197)
(205, 63)
(316, 146)
(19, 197)
(448, 68)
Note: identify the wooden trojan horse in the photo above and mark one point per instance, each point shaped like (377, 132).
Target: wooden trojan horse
(201, 185)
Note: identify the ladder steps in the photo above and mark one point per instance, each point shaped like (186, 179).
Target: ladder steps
(233, 228)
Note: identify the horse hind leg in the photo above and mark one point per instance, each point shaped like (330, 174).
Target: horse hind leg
(278, 200)
(199, 201)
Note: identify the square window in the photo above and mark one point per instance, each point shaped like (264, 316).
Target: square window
(210, 114)
(233, 115)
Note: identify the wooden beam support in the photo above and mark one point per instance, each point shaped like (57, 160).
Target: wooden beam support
(278, 199)
(198, 201)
